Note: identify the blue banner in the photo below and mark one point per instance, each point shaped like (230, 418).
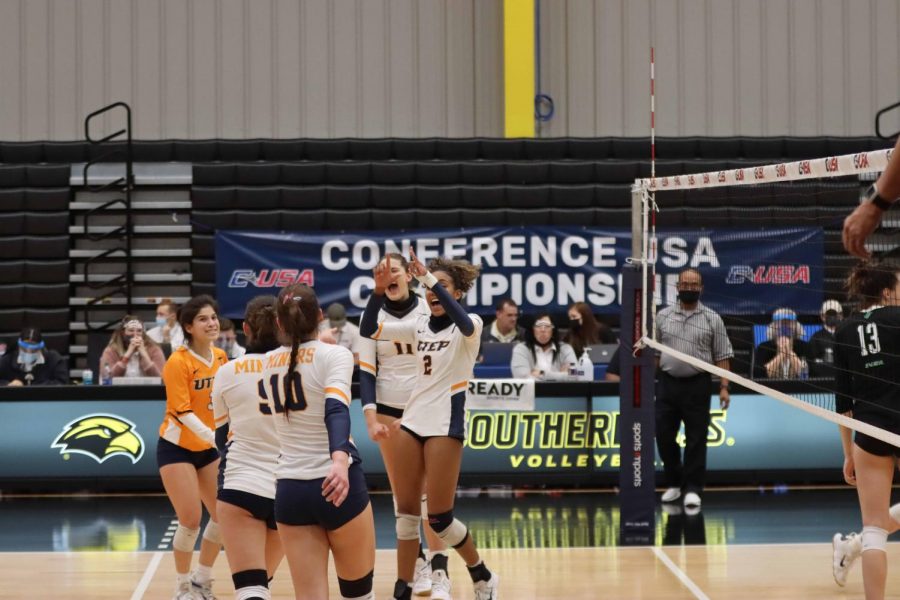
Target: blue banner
(541, 268)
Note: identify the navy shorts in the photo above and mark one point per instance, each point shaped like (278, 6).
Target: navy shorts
(300, 501)
(168, 453)
(882, 420)
(384, 409)
(259, 507)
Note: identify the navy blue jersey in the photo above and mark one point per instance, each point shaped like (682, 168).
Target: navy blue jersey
(867, 360)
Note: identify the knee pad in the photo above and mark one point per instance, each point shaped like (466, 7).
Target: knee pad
(452, 531)
(357, 589)
(408, 526)
(212, 533)
(251, 585)
(874, 538)
(185, 539)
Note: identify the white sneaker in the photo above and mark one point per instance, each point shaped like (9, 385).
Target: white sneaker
(440, 585)
(671, 495)
(203, 591)
(691, 499)
(422, 582)
(845, 550)
(185, 591)
(487, 590)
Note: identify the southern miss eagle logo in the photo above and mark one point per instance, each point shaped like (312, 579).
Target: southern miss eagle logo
(100, 437)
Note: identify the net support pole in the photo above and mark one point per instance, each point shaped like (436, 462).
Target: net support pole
(637, 422)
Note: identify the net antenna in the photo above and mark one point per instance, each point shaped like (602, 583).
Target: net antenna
(721, 185)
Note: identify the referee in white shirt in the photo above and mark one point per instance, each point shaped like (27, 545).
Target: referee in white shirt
(683, 391)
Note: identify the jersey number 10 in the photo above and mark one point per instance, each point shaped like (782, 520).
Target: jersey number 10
(868, 339)
(294, 398)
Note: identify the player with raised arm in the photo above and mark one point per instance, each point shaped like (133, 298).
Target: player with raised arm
(431, 432)
(387, 377)
(248, 446)
(321, 499)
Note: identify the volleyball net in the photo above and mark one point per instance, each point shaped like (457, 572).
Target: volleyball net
(766, 244)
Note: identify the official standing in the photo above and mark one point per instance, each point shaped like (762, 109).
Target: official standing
(683, 392)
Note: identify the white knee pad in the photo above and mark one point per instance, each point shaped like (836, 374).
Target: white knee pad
(874, 538)
(408, 526)
(185, 539)
(455, 534)
(212, 533)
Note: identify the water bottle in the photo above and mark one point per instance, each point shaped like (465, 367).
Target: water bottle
(804, 369)
(586, 366)
(107, 375)
(87, 377)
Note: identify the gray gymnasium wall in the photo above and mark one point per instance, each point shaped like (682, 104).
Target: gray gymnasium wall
(375, 68)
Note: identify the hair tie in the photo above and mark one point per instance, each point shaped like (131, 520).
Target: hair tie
(289, 299)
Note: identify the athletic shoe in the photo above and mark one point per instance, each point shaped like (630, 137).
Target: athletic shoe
(422, 582)
(185, 591)
(845, 550)
(671, 495)
(440, 585)
(691, 499)
(487, 590)
(203, 591)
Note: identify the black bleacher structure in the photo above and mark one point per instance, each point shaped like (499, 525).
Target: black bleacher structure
(399, 184)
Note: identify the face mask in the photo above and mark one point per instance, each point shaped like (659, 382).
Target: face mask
(688, 296)
(29, 358)
(161, 321)
(832, 320)
(786, 330)
(574, 323)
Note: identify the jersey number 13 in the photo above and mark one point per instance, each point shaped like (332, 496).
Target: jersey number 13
(868, 339)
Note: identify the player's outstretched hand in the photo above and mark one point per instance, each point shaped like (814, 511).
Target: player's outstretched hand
(382, 273)
(415, 265)
(858, 226)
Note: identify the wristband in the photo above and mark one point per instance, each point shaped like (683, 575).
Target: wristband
(428, 279)
(873, 197)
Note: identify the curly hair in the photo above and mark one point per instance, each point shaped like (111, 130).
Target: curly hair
(868, 280)
(463, 273)
(262, 322)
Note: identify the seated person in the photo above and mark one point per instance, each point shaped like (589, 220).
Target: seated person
(784, 353)
(167, 330)
(344, 332)
(584, 330)
(31, 363)
(541, 356)
(228, 339)
(821, 344)
(505, 327)
(131, 352)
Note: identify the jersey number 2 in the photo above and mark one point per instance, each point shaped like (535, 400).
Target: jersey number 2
(868, 339)
(295, 400)
(427, 360)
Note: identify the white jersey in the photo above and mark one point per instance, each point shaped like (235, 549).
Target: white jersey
(252, 450)
(394, 364)
(437, 406)
(325, 371)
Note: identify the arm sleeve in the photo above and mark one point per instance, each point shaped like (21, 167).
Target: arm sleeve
(368, 371)
(455, 310)
(368, 323)
(193, 422)
(177, 382)
(337, 401)
(521, 363)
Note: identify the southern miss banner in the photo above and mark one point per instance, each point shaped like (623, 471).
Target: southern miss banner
(539, 267)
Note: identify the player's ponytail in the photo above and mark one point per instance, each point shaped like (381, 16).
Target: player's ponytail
(298, 314)
(260, 319)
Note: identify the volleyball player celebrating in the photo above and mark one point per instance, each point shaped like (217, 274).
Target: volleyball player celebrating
(246, 499)
(321, 500)
(432, 429)
(187, 460)
(387, 376)
(867, 372)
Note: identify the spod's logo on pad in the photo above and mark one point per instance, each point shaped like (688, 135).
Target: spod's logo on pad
(101, 436)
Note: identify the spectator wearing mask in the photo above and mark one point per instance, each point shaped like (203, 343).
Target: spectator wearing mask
(541, 356)
(821, 344)
(505, 327)
(228, 339)
(584, 330)
(131, 352)
(167, 330)
(344, 332)
(784, 353)
(31, 363)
